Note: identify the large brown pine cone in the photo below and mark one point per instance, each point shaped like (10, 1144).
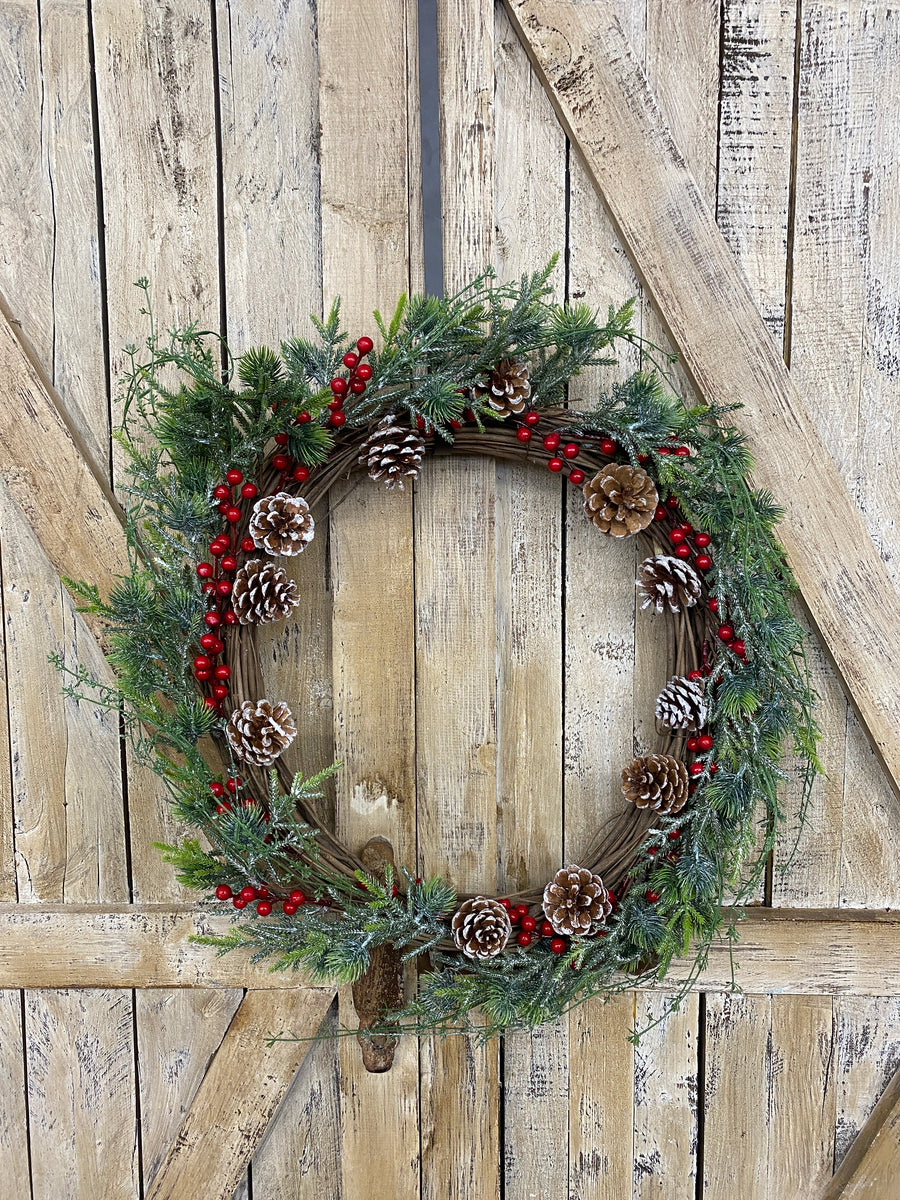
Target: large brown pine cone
(575, 901)
(620, 500)
(666, 581)
(281, 524)
(681, 704)
(481, 927)
(508, 389)
(391, 452)
(259, 732)
(658, 781)
(263, 593)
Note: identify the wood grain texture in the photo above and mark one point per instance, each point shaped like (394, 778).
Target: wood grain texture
(232, 1107)
(867, 1032)
(14, 1166)
(604, 102)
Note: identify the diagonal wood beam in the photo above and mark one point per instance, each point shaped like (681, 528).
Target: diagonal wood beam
(797, 951)
(604, 102)
(50, 473)
(245, 1083)
(871, 1167)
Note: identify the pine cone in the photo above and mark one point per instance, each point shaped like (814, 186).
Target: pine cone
(658, 781)
(666, 580)
(481, 927)
(575, 901)
(681, 704)
(262, 593)
(259, 732)
(508, 390)
(392, 451)
(281, 524)
(620, 500)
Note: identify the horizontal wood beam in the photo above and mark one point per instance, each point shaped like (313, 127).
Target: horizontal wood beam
(50, 473)
(804, 952)
(242, 1088)
(601, 95)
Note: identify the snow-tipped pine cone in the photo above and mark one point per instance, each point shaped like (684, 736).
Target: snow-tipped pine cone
(681, 704)
(620, 500)
(668, 582)
(575, 901)
(657, 781)
(508, 389)
(258, 732)
(481, 927)
(263, 593)
(281, 524)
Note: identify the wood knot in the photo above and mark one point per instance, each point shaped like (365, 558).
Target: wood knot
(380, 989)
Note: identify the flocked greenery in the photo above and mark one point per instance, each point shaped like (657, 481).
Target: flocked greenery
(187, 419)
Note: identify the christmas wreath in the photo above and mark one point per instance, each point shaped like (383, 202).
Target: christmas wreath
(226, 461)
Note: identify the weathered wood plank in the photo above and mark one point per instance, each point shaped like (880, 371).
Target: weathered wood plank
(366, 189)
(233, 1105)
(814, 952)
(14, 1169)
(867, 1034)
(871, 1167)
(605, 105)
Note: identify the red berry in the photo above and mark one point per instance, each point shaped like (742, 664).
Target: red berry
(216, 788)
(208, 588)
(454, 424)
(223, 808)
(653, 851)
(738, 647)
(695, 675)
(652, 896)
(223, 588)
(551, 441)
(224, 507)
(507, 903)
(234, 477)
(248, 892)
(692, 789)
(212, 619)
(547, 929)
(642, 458)
(220, 690)
(671, 501)
(702, 540)
(302, 418)
(558, 945)
(350, 360)
(529, 923)
(692, 744)
(280, 462)
(337, 419)
(223, 672)
(202, 675)
(357, 386)
(364, 345)
(571, 450)
(223, 892)
(264, 908)
(704, 562)
(301, 474)
(339, 386)
(531, 418)
(687, 527)
(676, 536)
(607, 446)
(663, 450)
(234, 784)
(231, 617)
(233, 515)
(683, 452)
(364, 372)
(714, 605)
(660, 514)
(683, 551)
(281, 439)
(248, 545)
(297, 897)
(218, 646)
(705, 742)
(288, 909)
(221, 492)
(524, 939)
(205, 569)
(524, 434)
(420, 424)
(249, 491)
(726, 633)
(713, 767)
(238, 902)
(673, 834)
(336, 403)
(555, 464)
(202, 663)
(522, 910)
(696, 768)
(229, 563)
(208, 641)
(577, 477)
(469, 414)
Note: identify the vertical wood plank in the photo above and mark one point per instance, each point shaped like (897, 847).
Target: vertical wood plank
(456, 646)
(529, 171)
(14, 1166)
(366, 189)
(867, 1057)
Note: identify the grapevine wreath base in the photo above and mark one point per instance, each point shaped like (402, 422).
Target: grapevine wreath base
(227, 469)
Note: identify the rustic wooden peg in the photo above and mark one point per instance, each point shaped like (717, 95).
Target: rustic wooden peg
(380, 989)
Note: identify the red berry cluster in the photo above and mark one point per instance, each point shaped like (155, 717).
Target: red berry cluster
(249, 894)
(681, 451)
(359, 375)
(560, 452)
(686, 541)
(531, 929)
